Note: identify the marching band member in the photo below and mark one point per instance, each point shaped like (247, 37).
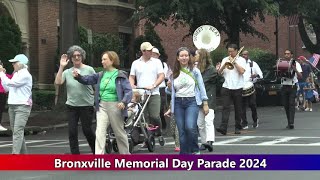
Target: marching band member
(232, 88)
(289, 89)
(252, 73)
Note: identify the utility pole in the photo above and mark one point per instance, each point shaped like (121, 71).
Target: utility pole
(68, 34)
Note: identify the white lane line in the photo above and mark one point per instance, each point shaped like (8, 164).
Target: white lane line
(50, 144)
(242, 138)
(28, 142)
(273, 145)
(277, 141)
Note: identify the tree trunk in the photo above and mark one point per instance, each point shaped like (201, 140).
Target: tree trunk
(312, 48)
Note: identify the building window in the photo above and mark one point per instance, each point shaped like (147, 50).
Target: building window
(125, 39)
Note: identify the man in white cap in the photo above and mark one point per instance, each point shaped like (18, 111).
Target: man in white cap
(149, 74)
(19, 100)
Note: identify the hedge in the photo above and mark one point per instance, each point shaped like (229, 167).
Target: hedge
(43, 99)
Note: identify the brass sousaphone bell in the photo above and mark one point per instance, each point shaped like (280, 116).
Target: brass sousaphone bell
(206, 37)
(230, 65)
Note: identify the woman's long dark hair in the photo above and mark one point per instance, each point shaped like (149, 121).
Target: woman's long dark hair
(177, 66)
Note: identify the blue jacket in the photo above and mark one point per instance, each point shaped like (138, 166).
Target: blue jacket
(124, 90)
(200, 90)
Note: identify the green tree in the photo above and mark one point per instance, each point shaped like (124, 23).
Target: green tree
(150, 35)
(228, 16)
(309, 20)
(10, 41)
(100, 44)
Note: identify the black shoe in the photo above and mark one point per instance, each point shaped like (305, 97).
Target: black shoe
(161, 141)
(202, 147)
(291, 126)
(256, 124)
(237, 131)
(223, 132)
(208, 146)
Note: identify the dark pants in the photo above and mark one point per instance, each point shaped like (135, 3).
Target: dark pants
(3, 101)
(163, 107)
(85, 114)
(228, 96)
(251, 101)
(288, 94)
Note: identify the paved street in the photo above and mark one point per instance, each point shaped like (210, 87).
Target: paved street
(270, 138)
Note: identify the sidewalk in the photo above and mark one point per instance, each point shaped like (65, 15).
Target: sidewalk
(40, 122)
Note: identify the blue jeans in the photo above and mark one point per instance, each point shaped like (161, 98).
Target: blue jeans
(186, 113)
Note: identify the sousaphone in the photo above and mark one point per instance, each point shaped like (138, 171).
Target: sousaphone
(206, 37)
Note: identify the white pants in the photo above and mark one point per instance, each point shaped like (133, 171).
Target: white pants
(109, 114)
(206, 126)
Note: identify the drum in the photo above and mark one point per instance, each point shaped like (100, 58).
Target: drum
(248, 89)
(284, 68)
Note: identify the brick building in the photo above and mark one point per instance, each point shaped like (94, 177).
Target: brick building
(288, 37)
(39, 22)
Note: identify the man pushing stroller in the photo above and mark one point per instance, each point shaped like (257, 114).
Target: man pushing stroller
(149, 74)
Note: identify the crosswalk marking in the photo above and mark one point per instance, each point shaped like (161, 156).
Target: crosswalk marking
(260, 141)
(277, 141)
(242, 138)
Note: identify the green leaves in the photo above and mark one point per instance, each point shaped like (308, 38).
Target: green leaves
(10, 41)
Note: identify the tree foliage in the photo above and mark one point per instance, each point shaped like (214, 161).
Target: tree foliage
(228, 16)
(309, 20)
(10, 41)
(100, 43)
(150, 35)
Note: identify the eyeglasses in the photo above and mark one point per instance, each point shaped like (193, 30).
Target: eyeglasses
(287, 53)
(76, 55)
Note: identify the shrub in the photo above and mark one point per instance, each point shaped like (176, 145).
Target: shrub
(43, 99)
(100, 43)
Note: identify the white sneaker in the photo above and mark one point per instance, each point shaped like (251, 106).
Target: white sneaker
(307, 109)
(2, 128)
(310, 109)
(245, 127)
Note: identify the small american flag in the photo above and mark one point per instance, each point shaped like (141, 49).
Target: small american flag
(314, 59)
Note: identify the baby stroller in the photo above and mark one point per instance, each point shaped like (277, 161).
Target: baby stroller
(138, 130)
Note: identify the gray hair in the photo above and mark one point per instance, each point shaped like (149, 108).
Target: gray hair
(21, 66)
(74, 48)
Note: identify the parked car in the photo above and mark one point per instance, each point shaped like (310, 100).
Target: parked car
(268, 89)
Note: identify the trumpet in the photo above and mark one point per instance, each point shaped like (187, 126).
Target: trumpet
(230, 65)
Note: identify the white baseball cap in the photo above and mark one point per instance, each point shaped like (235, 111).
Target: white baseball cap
(20, 58)
(156, 50)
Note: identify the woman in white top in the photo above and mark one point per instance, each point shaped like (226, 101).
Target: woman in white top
(187, 94)
(19, 100)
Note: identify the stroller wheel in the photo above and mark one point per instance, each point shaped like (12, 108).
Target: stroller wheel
(151, 143)
(115, 146)
(131, 146)
(108, 146)
(161, 141)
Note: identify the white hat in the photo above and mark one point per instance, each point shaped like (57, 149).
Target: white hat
(156, 50)
(210, 115)
(146, 46)
(20, 58)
